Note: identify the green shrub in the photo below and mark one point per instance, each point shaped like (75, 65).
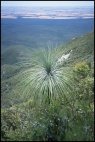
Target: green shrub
(82, 69)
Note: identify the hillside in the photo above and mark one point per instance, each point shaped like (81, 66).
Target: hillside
(82, 49)
(24, 117)
(13, 54)
(14, 59)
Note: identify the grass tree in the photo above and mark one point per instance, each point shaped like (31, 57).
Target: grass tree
(48, 83)
(43, 78)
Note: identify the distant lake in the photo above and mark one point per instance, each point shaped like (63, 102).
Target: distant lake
(42, 32)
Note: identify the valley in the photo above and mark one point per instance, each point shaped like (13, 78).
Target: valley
(47, 74)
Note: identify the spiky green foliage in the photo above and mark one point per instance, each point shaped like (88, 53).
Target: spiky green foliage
(45, 80)
(66, 109)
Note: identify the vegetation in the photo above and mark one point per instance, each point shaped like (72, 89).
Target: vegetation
(45, 101)
(37, 33)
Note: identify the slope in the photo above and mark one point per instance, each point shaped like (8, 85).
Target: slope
(82, 50)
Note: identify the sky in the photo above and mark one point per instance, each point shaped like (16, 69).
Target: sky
(47, 3)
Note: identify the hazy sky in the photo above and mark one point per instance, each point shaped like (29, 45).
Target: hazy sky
(47, 3)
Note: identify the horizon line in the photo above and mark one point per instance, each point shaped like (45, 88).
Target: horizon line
(45, 6)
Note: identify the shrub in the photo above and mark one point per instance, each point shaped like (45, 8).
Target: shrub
(82, 69)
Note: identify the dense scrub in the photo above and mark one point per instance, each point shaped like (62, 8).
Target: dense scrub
(48, 102)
